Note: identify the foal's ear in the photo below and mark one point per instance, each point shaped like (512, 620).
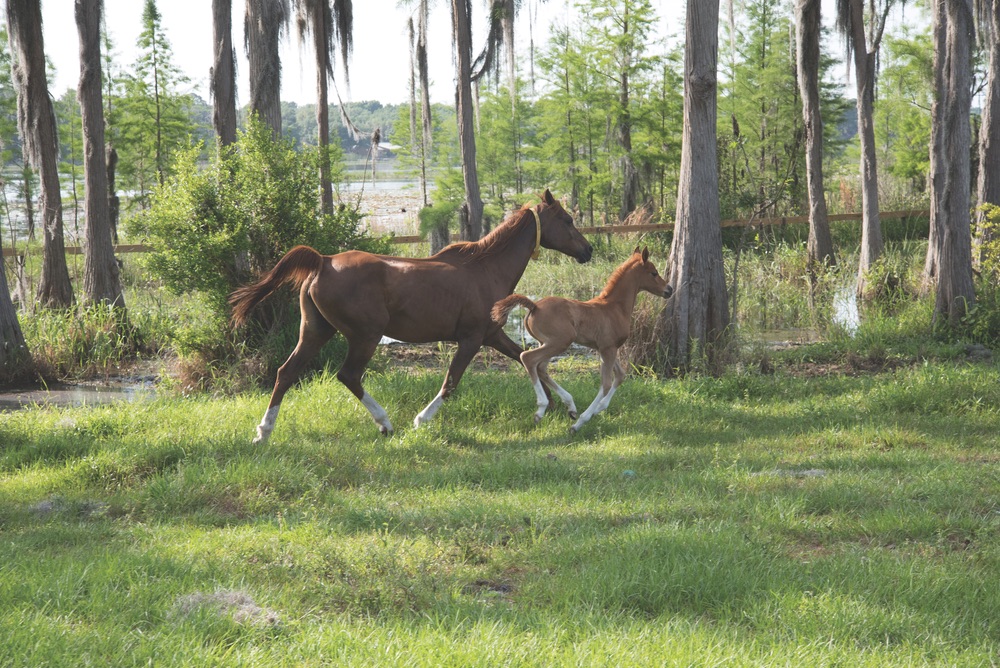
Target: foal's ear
(636, 251)
(645, 253)
(547, 197)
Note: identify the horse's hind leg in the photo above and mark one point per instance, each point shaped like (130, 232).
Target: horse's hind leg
(314, 331)
(467, 349)
(534, 362)
(504, 344)
(564, 396)
(359, 352)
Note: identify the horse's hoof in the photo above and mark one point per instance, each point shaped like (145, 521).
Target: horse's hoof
(538, 419)
(573, 415)
(385, 431)
(573, 430)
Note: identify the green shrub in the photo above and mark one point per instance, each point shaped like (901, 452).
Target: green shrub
(217, 227)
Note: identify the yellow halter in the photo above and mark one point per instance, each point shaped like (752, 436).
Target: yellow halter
(538, 235)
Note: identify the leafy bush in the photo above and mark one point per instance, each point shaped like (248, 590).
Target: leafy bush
(217, 227)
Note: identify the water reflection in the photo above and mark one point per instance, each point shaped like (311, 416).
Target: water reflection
(77, 395)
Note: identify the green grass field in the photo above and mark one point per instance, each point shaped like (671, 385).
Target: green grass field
(747, 520)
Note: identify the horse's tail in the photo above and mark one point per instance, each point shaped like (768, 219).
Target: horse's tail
(295, 267)
(503, 307)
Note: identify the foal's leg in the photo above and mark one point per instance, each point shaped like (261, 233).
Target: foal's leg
(536, 359)
(359, 352)
(504, 344)
(566, 397)
(314, 331)
(609, 383)
(467, 349)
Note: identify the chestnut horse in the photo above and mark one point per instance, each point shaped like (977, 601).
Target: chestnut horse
(446, 297)
(603, 324)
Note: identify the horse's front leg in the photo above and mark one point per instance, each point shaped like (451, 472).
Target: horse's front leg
(467, 349)
(611, 376)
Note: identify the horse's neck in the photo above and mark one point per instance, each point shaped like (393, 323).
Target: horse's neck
(509, 264)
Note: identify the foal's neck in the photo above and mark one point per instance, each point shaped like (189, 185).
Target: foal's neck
(621, 289)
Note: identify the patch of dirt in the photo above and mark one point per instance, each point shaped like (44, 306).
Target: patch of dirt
(388, 210)
(431, 357)
(851, 365)
(237, 604)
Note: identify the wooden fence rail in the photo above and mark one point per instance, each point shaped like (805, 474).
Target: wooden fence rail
(600, 229)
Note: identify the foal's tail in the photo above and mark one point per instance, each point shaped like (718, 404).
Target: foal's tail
(298, 264)
(503, 307)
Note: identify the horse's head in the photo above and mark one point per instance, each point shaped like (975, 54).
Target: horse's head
(648, 278)
(558, 231)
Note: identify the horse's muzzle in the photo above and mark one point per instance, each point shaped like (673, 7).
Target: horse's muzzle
(667, 291)
(586, 254)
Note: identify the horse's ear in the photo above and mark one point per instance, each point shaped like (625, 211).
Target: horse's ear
(636, 251)
(645, 254)
(547, 197)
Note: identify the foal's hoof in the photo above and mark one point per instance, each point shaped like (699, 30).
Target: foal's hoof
(573, 415)
(538, 418)
(573, 430)
(385, 431)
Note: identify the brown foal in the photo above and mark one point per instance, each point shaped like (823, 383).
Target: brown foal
(603, 324)
(446, 297)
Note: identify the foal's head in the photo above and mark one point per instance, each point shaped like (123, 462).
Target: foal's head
(647, 277)
(558, 231)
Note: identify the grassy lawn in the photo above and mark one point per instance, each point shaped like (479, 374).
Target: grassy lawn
(744, 520)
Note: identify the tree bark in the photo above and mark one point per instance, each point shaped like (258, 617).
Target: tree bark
(324, 69)
(807, 20)
(265, 20)
(223, 73)
(864, 77)
(630, 177)
(425, 104)
(938, 166)
(696, 317)
(462, 32)
(15, 359)
(37, 124)
(988, 186)
(101, 280)
(956, 293)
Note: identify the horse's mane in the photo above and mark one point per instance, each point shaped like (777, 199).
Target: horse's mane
(617, 274)
(494, 242)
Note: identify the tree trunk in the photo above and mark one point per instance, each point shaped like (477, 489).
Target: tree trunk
(938, 166)
(265, 20)
(988, 187)
(630, 177)
(425, 104)
(462, 27)
(15, 360)
(321, 42)
(956, 294)
(807, 20)
(114, 203)
(697, 314)
(101, 281)
(37, 123)
(864, 76)
(223, 73)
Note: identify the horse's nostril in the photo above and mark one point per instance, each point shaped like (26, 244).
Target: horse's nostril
(667, 292)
